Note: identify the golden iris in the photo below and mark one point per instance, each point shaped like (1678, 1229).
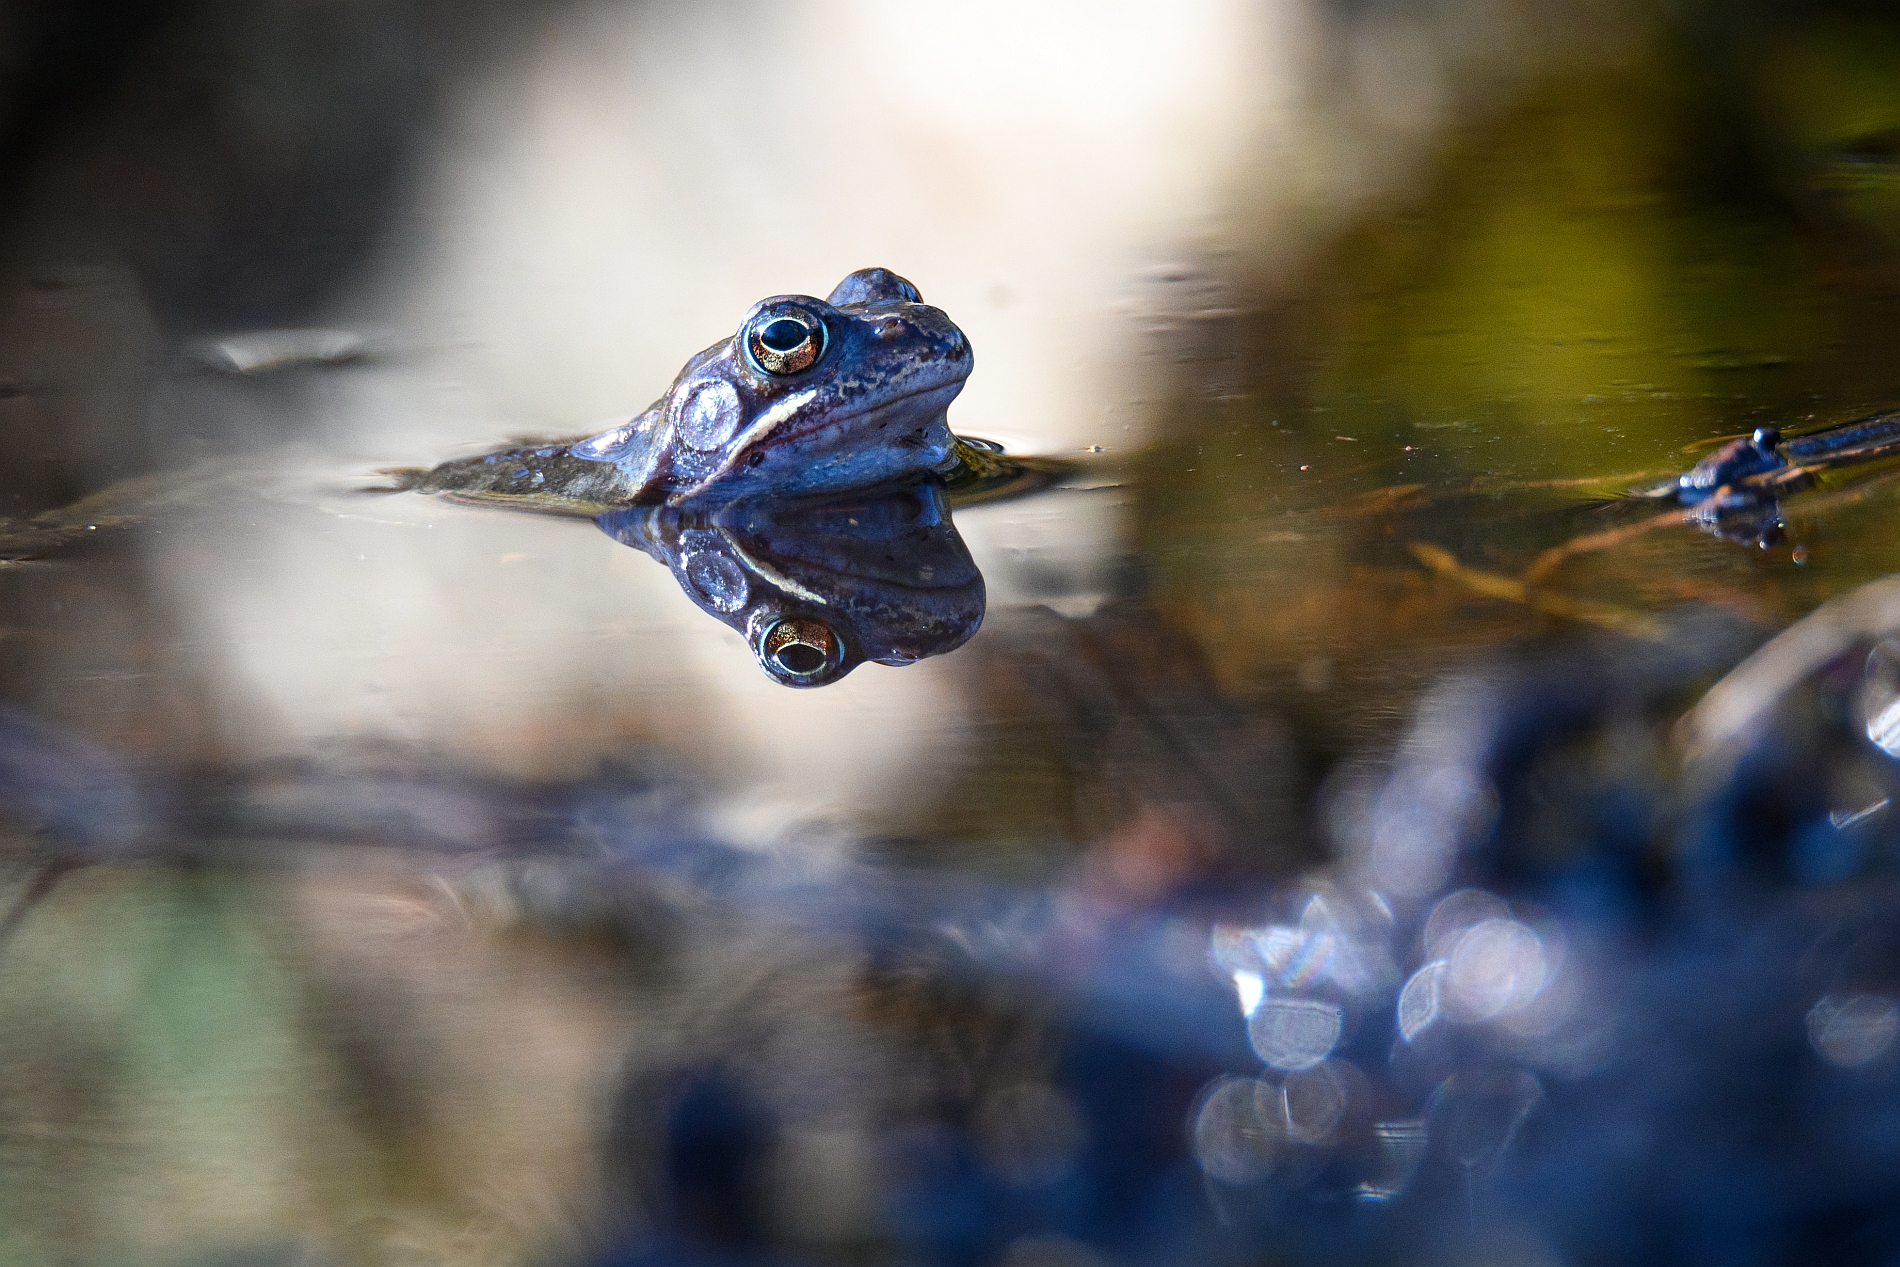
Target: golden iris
(785, 342)
(799, 649)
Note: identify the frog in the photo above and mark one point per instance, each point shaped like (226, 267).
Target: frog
(1726, 468)
(807, 397)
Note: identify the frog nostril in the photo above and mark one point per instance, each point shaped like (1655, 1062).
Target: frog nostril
(889, 329)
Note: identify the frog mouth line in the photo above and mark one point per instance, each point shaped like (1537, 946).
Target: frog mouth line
(954, 387)
(769, 422)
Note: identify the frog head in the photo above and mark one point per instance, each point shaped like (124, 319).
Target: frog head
(808, 396)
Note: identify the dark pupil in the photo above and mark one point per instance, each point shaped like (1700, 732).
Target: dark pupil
(798, 658)
(784, 334)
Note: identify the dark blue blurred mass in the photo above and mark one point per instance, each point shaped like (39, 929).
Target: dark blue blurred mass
(1630, 1016)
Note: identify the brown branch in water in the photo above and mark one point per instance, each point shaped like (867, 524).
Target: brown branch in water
(1589, 611)
(1549, 560)
(1486, 484)
(1390, 500)
(1809, 506)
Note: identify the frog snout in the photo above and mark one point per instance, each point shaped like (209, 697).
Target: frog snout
(947, 342)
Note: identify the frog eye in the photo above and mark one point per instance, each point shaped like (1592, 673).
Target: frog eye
(785, 339)
(799, 651)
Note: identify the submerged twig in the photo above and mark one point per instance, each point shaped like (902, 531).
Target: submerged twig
(1548, 560)
(1809, 506)
(1510, 589)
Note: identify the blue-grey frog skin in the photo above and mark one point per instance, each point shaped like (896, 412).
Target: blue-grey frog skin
(818, 586)
(1755, 469)
(808, 396)
(1729, 465)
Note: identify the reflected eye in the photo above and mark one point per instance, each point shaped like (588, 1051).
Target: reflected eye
(800, 652)
(785, 340)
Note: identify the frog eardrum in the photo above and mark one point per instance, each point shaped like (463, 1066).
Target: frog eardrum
(785, 339)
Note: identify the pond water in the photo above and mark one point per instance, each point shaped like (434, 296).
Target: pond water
(1320, 814)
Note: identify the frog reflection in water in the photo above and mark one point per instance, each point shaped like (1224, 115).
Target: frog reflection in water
(790, 480)
(809, 396)
(819, 587)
